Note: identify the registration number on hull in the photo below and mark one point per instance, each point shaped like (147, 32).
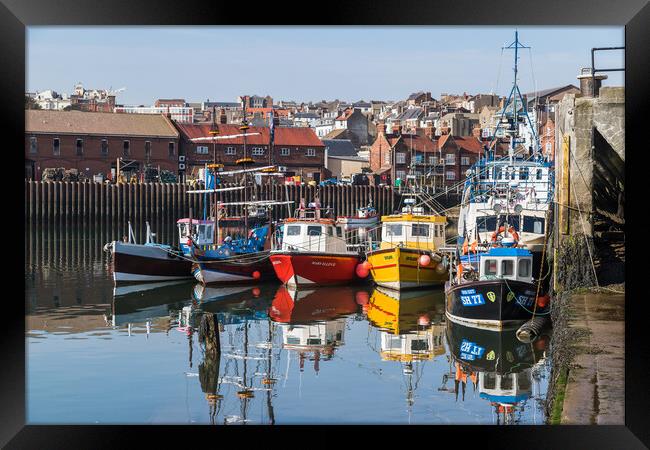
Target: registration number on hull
(469, 297)
(469, 351)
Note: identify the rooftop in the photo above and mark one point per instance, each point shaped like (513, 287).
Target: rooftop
(97, 123)
(340, 147)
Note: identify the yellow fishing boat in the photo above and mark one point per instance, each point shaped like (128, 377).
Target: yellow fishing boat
(407, 256)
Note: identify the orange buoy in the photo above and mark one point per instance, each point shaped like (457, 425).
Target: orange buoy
(361, 271)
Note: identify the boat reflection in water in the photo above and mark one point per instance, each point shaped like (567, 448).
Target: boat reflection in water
(230, 379)
(313, 321)
(503, 369)
(411, 328)
(148, 303)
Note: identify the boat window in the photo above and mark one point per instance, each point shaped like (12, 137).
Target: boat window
(313, 341)
(539, 174)
(293, 230)
(394, 229)
(395, 343)
(497, 173)
(330, 231)
(490, 380)
(506, 382)
(524, 267)
(313, 230)
(533, 224)
(507, 267)
(420, 230)
(490, 267)
(523, 382)
(513, 221)
(486, 223)
(523, 173)
(339, 232)
(293, 340)
(512, 174)
(419, 345)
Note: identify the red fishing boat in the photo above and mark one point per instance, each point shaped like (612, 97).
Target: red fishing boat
(312, 250)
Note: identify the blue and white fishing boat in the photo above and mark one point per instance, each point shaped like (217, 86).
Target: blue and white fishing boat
(516, 189)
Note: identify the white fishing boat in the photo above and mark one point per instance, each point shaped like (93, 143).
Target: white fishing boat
(365, 217)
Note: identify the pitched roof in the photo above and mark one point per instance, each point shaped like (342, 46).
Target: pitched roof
(345, 115)
(191, 131)
(550, 91)
(467, 143)
(335, 134)
(411, 113)
(283, 135)
(417, 142)
(105, 124)
(340, 147)
(296, 136)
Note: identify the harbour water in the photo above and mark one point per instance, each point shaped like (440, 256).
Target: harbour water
(342, 355)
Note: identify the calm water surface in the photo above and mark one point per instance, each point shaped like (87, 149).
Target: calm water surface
(352, 354)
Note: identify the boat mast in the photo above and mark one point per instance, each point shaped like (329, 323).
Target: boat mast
(214, 131)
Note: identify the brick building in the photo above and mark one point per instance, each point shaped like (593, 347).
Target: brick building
(92, 100)
(440, 161)
(295, 150)
(92, 142)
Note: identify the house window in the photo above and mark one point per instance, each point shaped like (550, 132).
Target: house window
(202, 149)
(126, 151)
(400, 174)
(433, 160)
(400, 158)
(230, 150)
(450, 159)
(147, 149)
(33, 145)
(258, 151)
(172, 148)
(548, 147)
(464, 160)
(56, 146)
(311, 152)
(104, 147)
(450, 175)
(80, 147)
(284, 152)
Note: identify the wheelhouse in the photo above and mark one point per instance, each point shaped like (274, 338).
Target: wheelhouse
(201, 231)
(414, 231)
(507, 263)
(322, 235)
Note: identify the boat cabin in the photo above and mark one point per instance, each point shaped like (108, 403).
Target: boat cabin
(201, 231)
(413, 231)
(318, 235)
(509, 263)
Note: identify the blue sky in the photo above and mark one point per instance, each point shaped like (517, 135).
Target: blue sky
(310, 63)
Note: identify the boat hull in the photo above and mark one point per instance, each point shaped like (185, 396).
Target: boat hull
(238, 269)
(398, 268)
(497, 304)
(309, 269)
(146, 263)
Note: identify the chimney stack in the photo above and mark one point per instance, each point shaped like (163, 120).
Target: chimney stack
(222, 117)
(396, 127)
(381, 128)
(430, 131)
(590, 87)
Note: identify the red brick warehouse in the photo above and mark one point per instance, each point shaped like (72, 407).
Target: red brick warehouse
(91, 142)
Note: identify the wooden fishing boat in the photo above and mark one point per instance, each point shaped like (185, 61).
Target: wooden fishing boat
(365, 217)
(407, 256)
(313, 251)
(501, 295)
(148, 262)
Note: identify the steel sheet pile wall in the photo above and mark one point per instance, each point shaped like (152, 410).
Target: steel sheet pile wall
(53, 200)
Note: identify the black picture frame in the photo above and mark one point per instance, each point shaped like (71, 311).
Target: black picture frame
(15, 15)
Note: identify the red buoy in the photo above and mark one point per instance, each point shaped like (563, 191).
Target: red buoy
(361, 271)
(256, 275)
(256, 292)
(424, 260)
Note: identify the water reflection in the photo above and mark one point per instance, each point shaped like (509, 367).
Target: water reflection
(346, 354)
(501, 368)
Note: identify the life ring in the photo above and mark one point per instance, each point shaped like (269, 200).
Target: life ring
(511, 230)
